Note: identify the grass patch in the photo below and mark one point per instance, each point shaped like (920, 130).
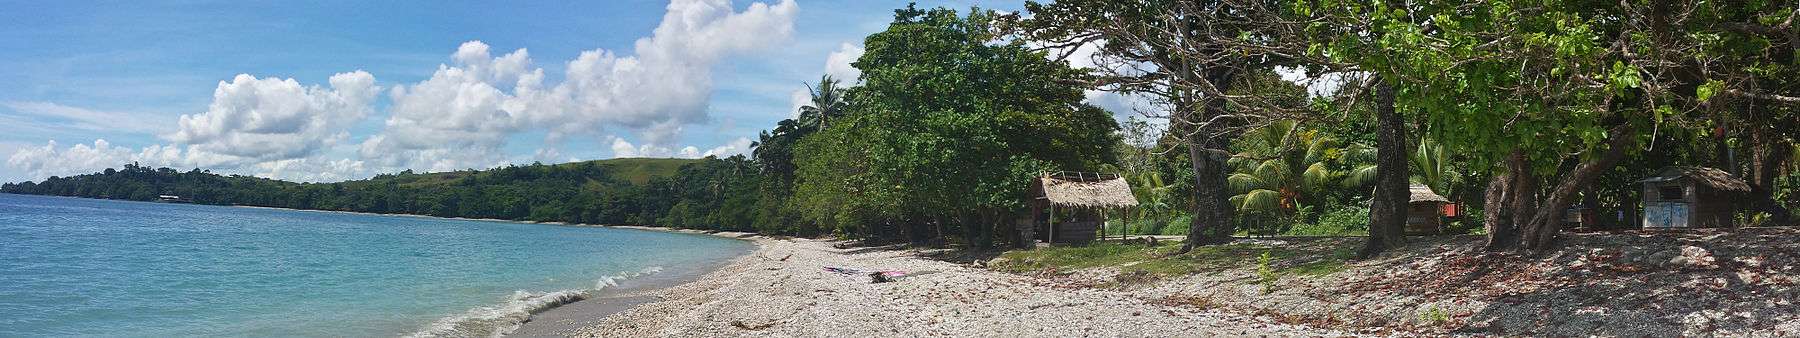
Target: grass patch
(1318, 268)
(1071, 258)
(1145, 263)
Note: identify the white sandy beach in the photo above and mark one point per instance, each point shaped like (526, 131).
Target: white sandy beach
(781, 289)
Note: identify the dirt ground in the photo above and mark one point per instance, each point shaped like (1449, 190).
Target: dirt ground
(1704, 282)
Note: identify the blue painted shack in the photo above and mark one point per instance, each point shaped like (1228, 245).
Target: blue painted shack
(1691, 197)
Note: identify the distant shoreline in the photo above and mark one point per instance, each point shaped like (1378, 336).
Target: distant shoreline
(727, 234)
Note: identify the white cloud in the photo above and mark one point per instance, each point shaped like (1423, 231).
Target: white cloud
(1321, 85)
(475, 104)
(669, 80)
(738, 146)
(461, 107)
(625, 149)
(78, 159)
(268, 119)
(798, 98)
(837, 64)
(88, 119)
(50, 160)
(461, 117)
(312, 169)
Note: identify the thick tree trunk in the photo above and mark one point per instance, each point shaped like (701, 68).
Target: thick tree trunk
(1524, 197)
(1212, 215)
(975, 229)
(1767, 155)
(1497, 221)
(918, 230)
(1387, 212)
(1212, 223)
(1541, 232)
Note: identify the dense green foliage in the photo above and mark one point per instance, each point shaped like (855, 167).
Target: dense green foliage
(945, 131)
(706, 194)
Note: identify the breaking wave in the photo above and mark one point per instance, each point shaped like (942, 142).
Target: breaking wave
(499, 320)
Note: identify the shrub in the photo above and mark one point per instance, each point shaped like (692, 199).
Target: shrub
(1177, 226)
(1434, 315)
(1349, 221)
(1265, 275)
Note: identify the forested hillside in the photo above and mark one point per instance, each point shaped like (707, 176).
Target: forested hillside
(616, 191)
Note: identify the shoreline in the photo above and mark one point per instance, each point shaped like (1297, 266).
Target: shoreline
(414, 215)
(780, 289)
(739, 235)
(727, 234)
(565, 319)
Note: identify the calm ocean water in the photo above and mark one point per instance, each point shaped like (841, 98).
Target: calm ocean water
(94, 267)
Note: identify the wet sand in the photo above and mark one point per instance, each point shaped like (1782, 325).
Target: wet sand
(565, 320)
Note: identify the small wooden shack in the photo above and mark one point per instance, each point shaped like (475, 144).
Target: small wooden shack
(1070, 207)
(1424, 212)
(1690, 197)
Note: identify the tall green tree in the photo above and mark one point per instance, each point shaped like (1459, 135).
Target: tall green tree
(948, 127)
(773, 152)
(1185, 57)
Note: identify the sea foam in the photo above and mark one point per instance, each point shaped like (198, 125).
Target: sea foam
(499, 320)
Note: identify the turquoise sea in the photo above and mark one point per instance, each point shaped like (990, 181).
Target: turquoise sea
(84, 267)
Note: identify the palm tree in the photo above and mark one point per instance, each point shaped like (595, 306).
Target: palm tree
(1287, 166)
(827, 102)
(774, 149)
(1152, 194)
(1431, 166)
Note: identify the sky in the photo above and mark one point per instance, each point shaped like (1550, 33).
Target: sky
(340, 90)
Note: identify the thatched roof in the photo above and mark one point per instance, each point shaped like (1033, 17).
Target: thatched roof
(1101, 191)
(1422, 193)
(1715, 178)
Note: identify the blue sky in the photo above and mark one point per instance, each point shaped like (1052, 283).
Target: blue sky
(329, 91)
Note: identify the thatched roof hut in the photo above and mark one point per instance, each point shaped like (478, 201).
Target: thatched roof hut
(1086, 190)
(1422, 193)
(1424, 213)
(1082, 199)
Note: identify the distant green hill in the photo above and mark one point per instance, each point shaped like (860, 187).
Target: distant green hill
(634, 170)
(639, 170)
(613, 191)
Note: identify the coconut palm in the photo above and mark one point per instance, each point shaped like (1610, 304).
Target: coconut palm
(1153, 194)
(774, 149)
(1286, 166)
(1431, 166)
(827, 103)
